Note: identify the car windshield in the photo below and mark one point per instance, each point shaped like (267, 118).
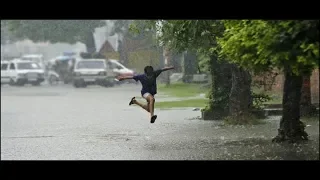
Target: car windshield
(91, 65)
(31, 59)
(115, 65)
(28, 65)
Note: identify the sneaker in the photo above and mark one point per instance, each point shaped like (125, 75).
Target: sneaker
(131, 102)
(153, 118)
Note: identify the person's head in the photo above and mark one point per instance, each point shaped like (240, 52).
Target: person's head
(148, 70)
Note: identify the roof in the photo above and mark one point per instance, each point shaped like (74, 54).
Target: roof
(106, 47)
(136, 44)
(92, 60)
(32, 56)
(63, 58)
(113, 60)
(20, 60)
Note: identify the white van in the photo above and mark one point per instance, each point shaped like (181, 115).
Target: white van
(120, 69)
(92, 71)
(38, 58)
(5, 79)
(21, 72)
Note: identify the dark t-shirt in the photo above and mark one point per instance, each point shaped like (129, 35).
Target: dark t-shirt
(149, 83)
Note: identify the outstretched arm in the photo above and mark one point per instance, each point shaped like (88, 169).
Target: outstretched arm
(167, 68)
(158, 72)
(121, 78)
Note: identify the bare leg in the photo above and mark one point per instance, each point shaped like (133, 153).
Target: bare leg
(144, 106)
(151, 101)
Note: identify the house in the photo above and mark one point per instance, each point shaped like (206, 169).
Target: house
(140, 52)
(106, 48)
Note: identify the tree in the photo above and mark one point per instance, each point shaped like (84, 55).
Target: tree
(291, 46)
(68, 31)
(121, 28)
(4, 32)
(189, 65)
(6, 36)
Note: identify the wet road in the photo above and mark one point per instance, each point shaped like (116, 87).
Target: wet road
(96, 123)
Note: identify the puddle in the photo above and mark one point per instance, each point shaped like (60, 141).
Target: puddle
(28, 137)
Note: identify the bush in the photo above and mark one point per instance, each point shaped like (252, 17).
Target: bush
(259, 100)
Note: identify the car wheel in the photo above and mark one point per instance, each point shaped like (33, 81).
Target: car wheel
(20, 84)
(12, 83)
(76, 84)
(52, 79)
(37, 83)
(111, 84)
(107, 84)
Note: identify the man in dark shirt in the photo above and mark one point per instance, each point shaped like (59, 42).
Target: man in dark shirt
(149, 88)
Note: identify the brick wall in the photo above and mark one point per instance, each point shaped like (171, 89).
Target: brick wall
(314, 80)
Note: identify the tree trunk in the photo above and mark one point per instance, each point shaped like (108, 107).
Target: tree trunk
(291, 128)
(218, 106)
(90, 43)
(306, 107)
(189, 66)
(161, 57)
(240, 95)
(176, 62)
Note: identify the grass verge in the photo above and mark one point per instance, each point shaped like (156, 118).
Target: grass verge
(182, 89)
(200, 103)
(310, 119)
(276, 97)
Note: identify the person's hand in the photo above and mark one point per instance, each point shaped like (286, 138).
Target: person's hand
(120, 78)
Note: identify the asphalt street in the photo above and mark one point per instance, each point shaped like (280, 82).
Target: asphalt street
(65, 123)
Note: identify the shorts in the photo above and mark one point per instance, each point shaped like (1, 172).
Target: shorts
(145, 95)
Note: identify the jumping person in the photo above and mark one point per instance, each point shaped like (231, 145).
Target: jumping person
(149, 88)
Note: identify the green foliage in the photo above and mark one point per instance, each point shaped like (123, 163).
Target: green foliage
(259, 100)
(6, 36)
(199, 103)
(204, 62)
(182, 89)
(181, 35)
(129, 29)
(120, 27)
(69, 31)
(261, 45)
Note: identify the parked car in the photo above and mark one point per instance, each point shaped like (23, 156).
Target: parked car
(120, 70)
(38, 58)
(4, 77)
(92, 71)
(21, 72)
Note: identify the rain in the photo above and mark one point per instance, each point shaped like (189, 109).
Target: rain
(217, 90)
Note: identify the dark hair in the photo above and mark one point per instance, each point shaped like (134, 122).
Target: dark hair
(148, 70)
